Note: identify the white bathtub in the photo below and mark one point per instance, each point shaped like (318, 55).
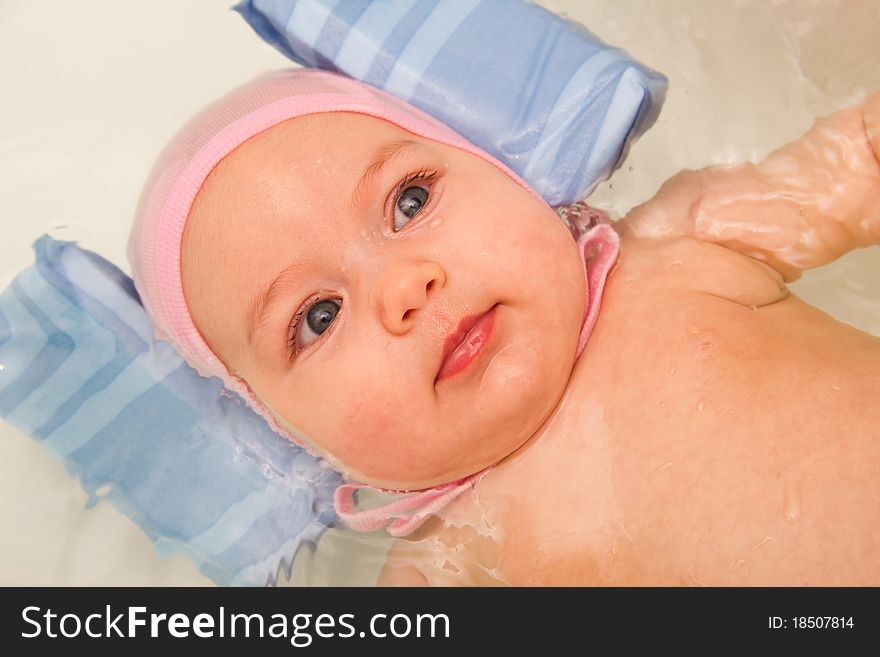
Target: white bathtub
(92, 90)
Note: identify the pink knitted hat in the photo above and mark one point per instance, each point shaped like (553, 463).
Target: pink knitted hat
(154, 246)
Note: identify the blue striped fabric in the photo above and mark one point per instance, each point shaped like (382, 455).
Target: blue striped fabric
(542, 94)
(183, 457)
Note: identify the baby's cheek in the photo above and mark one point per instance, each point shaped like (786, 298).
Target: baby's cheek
(368, 430)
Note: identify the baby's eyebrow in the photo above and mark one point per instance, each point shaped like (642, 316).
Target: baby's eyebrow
(262, 303)
(386, 153)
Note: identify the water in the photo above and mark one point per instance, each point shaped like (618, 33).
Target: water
(84, 123)
(792, 507)
(745, 78)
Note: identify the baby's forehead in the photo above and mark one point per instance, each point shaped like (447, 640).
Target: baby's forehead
(345, 133)
(302, 152)
(306, 160)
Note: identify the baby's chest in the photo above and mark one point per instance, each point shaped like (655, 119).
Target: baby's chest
(654, 378)
(678, 420)
(691, 424)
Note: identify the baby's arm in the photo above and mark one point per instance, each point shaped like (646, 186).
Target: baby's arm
(805, 205)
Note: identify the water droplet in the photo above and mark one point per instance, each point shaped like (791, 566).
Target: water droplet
(801, 211)
(630, 168)
(793, 505)
(753, 307)
(661, 468)
(611, 186)
(435, 222)
(832, 387)
(739, 564)
(672, 371)
(761, 542)
(103, 490)
(699, 407)
(2, 367)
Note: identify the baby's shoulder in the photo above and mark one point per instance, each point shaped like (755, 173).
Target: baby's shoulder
(659, 241)
(671, 264)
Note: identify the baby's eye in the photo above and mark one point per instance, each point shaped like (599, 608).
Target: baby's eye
(411, 195)
(318, 317)
(408, 204)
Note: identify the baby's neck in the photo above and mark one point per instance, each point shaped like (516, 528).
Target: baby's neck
(557, 426)
(598, 249)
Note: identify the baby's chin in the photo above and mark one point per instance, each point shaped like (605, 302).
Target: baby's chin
(449, 468)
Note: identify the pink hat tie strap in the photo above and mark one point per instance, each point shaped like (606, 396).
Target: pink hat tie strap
(424, 503)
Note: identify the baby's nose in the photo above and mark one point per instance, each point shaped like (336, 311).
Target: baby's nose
(406, 289)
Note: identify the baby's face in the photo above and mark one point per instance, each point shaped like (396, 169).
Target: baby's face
(371, 276)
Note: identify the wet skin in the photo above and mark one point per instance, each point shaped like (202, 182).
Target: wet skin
(365, 390)
(736, 442)
(716, 430)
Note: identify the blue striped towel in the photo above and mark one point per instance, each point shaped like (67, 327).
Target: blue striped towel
(540, 93)
(179, 454)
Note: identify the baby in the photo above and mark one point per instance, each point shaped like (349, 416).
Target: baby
(389, 295)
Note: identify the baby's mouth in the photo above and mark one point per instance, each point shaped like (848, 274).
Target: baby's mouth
(464, 345)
